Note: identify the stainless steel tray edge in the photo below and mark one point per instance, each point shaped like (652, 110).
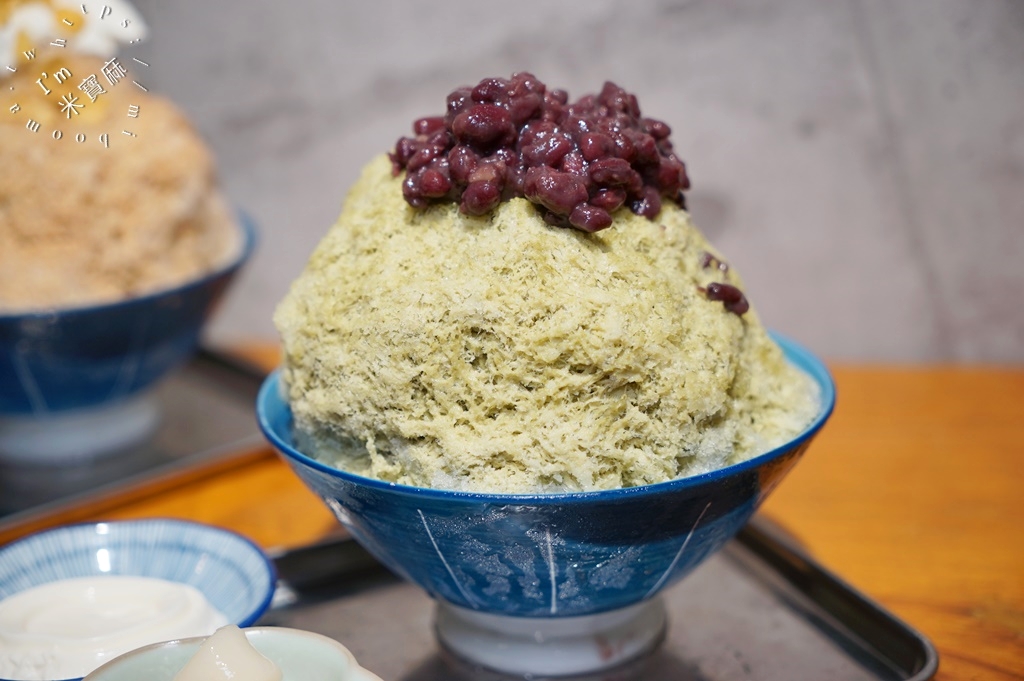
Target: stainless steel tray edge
(868, 623)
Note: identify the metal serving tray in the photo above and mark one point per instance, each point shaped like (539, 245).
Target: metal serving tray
(758, 610)
(207, 419)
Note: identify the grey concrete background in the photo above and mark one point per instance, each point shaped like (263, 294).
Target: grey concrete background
(861, 162)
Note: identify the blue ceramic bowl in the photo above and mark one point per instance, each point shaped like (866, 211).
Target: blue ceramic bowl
(553, 555)
(229, 570)
(75, 358)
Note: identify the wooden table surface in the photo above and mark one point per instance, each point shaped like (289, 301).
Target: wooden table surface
(912, 493)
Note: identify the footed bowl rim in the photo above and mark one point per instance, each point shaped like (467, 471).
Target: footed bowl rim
(794, 353)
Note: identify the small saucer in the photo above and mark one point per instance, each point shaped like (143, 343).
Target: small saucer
(299, 654)
(78, 434)
(551, 646)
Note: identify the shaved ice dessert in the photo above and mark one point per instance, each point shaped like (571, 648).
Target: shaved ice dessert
(107, 192)
(515, 300)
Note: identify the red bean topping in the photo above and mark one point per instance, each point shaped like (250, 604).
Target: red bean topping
(731, 297)
(578, 161)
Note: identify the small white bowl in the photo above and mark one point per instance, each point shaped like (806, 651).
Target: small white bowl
(301, 655)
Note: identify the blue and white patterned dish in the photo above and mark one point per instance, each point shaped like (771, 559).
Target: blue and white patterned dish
(229, 570)
(547, 556)
(68, 359)
(74, 382)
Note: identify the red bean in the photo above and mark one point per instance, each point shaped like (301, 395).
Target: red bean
(548, 152)
(524, 107)
(462, 160)
(557, 191)
(624, 147)
(583, 106)
(433, 184)
(574, 163)
(441, 137)
(480, 198)
(595, 145)
(615, 172)
(656, 129)
(536, 131)
(708, 260)
(514, 183)
(428, 125)
(575, 125)
(424, 155)
(669, 176)
(590, 218)
(411, 191)
(458, 100)
(484, 126)
(731, 297)
(523, 82)
(608, 199)
(646, 148)
(507, 156)
(492, 91)
(553, 111)
(649, 203)
(490, 170)
(685, 184)
(404, 150)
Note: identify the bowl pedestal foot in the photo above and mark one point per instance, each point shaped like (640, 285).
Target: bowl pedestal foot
(80, 434)
(551, 646)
